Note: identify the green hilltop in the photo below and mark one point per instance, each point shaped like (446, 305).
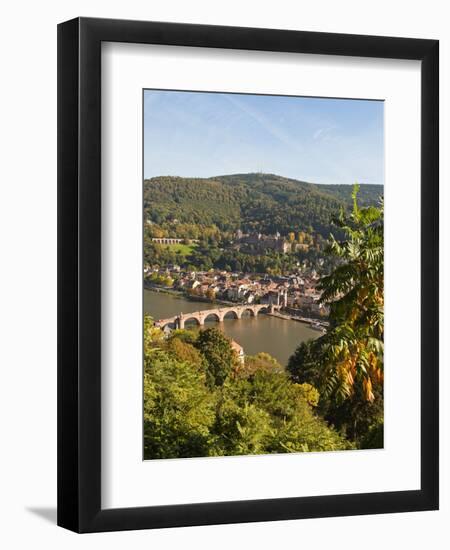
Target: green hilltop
(252, 202)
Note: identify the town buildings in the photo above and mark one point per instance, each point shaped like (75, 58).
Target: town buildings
(296, 293)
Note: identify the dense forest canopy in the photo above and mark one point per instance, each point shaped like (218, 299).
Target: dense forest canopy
(250, 202)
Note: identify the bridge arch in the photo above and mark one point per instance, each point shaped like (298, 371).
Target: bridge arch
(189, 319)
(170, 324)
(252, 312)
(210, 316)
(231, 314)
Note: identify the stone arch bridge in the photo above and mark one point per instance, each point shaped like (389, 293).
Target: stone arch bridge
(178, 321)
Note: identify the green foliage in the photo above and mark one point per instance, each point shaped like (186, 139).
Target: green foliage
(153, 337)
(355, 415)
(309, 393)
(187, 336)
(184, 250)
(178, 408)
(158, 279)
(255, 412)
(211, 210)
(368, 195)
(303, 365)
(185, 352)
(221, 255)
(219, 355)
(346, 364)
(260, 362)
(252, 202)
(374, 439)
(266, 412)
(240, 427)
(353, 347)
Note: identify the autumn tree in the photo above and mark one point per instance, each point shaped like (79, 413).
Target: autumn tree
(346, 364)
(354, 291)
(210, 294)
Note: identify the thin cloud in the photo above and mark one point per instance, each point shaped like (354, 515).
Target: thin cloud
(324, 134)
(271, 128)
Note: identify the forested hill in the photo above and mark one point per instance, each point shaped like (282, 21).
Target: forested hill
(260, 202)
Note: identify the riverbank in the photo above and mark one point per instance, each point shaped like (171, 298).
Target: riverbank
(193, 299)
(313, 323)
(162, 290)
(183, 296)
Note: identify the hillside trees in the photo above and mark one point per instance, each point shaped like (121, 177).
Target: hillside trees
(252, 202)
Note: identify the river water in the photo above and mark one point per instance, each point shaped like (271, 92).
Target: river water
(278, 337)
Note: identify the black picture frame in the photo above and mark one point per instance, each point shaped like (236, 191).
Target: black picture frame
(79, 274)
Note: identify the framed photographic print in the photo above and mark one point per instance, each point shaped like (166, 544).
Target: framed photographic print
(248, 275)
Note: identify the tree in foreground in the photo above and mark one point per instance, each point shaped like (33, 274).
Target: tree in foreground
(178, 409)
(346, 364)
(220, 356)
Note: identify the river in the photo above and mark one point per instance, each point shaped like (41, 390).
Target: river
(278, 337)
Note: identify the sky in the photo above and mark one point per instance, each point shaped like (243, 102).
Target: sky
(320, 140)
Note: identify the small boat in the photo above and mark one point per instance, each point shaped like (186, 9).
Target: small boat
(315, 325)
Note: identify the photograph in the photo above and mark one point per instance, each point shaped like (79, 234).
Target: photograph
(263, 274)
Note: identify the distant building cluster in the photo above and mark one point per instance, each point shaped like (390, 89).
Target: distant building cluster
(260, 243)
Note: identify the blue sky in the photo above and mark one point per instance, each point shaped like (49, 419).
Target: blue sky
(199, 134)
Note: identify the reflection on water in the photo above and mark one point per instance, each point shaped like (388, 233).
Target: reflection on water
(255, 334)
